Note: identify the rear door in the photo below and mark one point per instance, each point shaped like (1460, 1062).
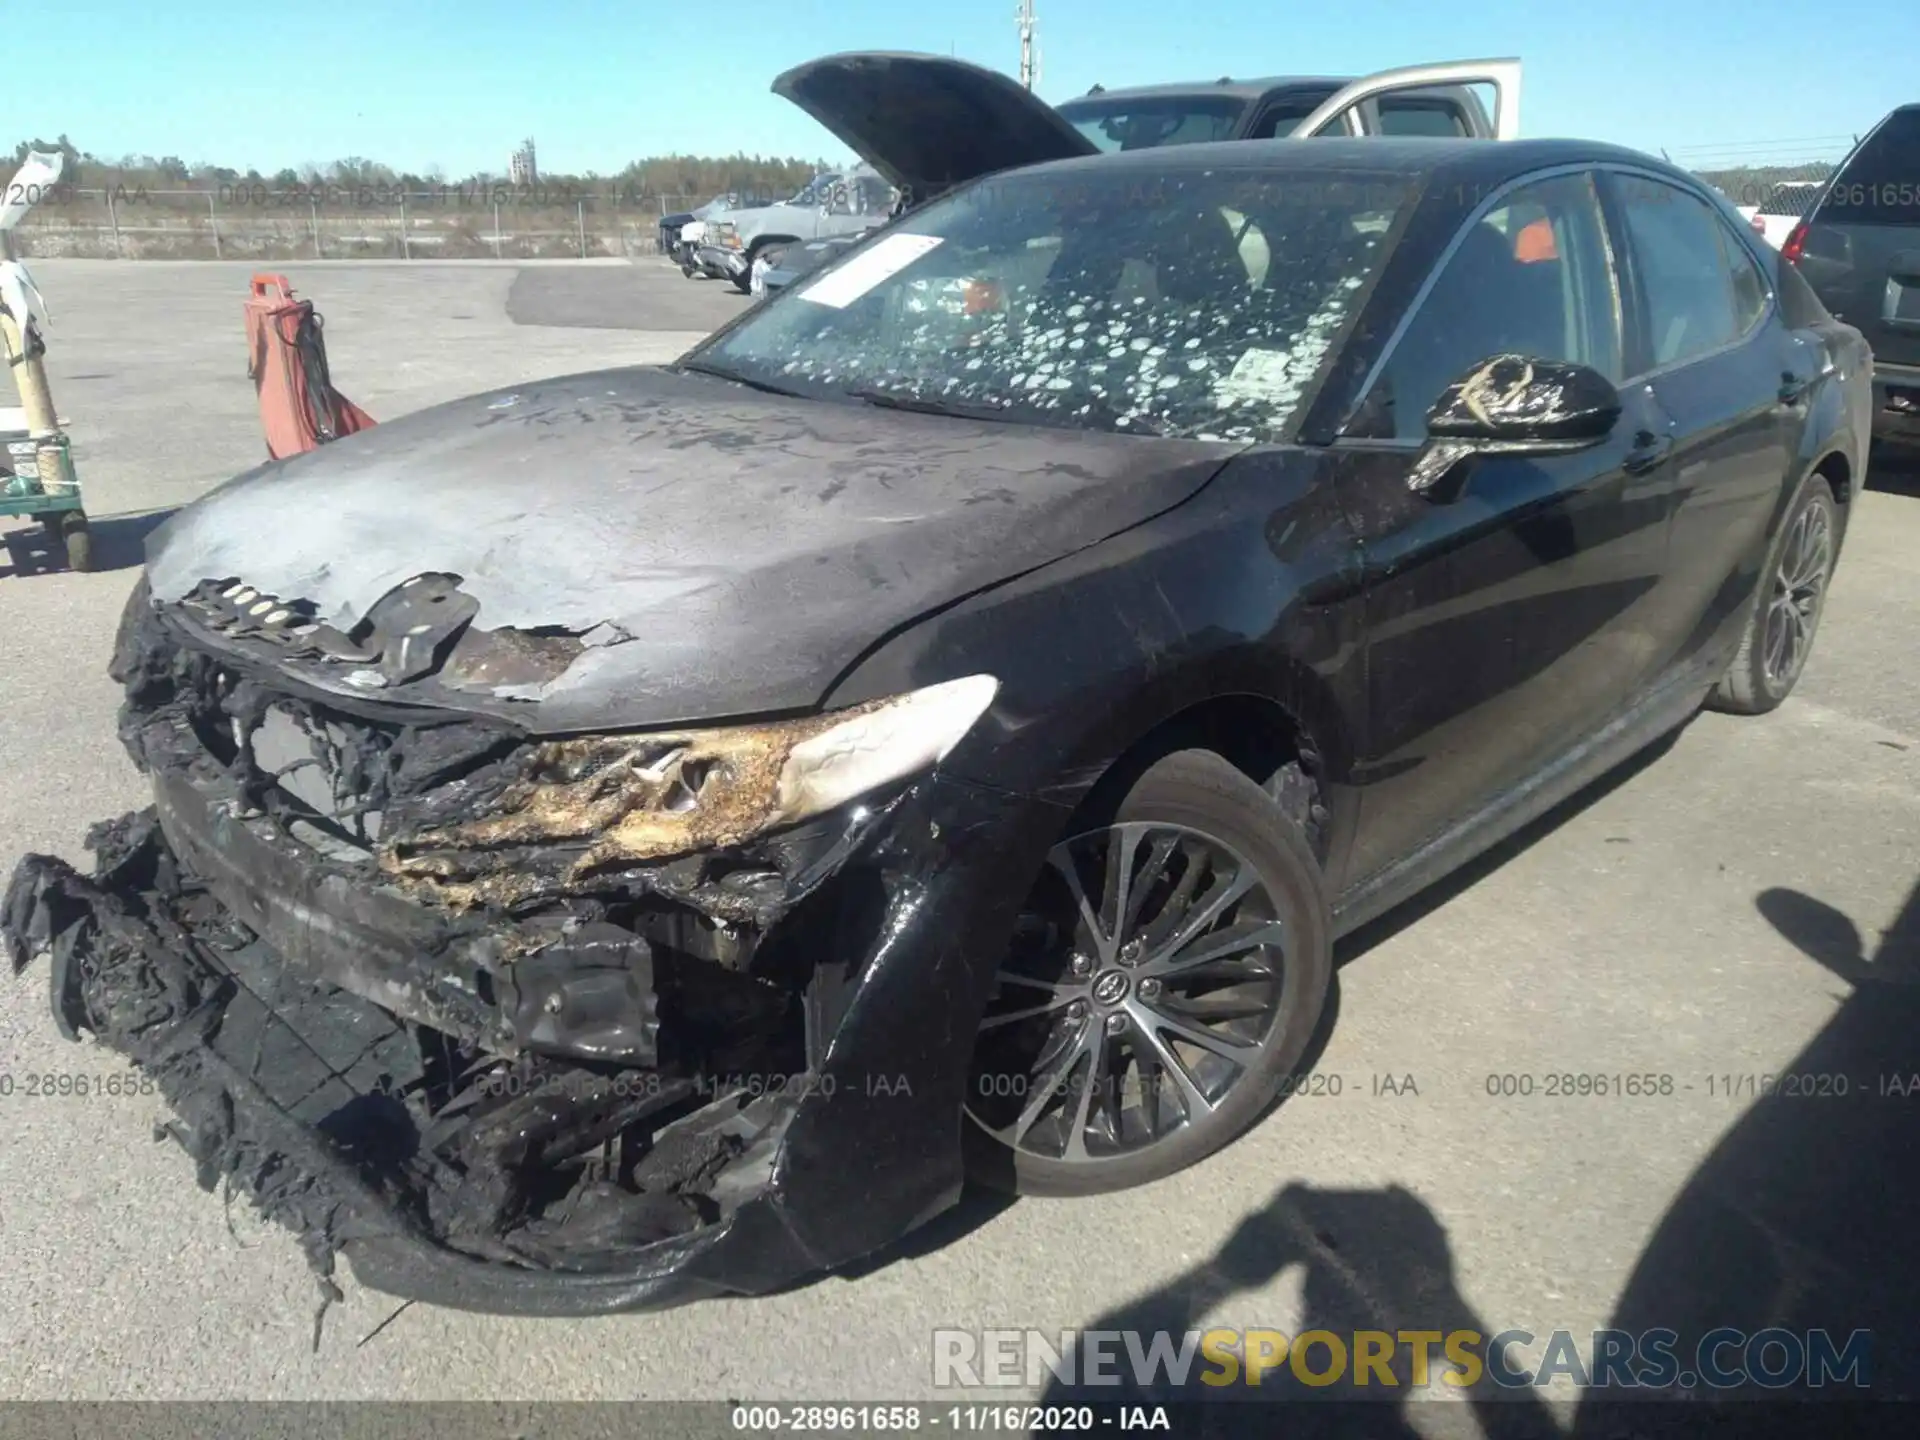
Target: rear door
(1704, 336)
(1861, 252)
(1392, 101)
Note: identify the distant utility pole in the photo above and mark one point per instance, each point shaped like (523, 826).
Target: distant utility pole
(1028, 67)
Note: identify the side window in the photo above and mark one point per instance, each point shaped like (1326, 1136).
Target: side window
(1283, 114)
(1417, 115)
(1533, 276)
(843, 196)
(1687, 288)
(1750, 287)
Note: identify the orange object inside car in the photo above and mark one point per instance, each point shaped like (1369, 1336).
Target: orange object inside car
(982, 297)
(1535, 242)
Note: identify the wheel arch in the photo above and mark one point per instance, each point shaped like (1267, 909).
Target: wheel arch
(1837, 470)
(1288, 739)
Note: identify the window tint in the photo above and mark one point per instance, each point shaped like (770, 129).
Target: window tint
(1409, 115)
(1750, 286)
(1880, 182)
(1682, 268)
(1532, 277)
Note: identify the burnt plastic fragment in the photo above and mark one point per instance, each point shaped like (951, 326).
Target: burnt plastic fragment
(590, 995)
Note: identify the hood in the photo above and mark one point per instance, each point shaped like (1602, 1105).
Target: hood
(688, 548)
(929, 122)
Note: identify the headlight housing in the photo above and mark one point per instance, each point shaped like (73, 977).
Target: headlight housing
(624, 799)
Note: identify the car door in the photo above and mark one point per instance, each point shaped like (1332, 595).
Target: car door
(1504, 609)
(1357, 108)
(1704, 334)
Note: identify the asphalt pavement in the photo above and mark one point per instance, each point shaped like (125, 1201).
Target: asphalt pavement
(1725, 908)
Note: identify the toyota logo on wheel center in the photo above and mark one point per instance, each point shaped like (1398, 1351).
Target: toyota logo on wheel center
(1111, 987)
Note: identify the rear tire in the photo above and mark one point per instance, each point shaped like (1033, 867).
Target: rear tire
(1187, 1015)
(1787, 605)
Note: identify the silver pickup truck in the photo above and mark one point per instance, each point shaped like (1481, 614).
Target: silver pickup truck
(735, 241)
(928, 122)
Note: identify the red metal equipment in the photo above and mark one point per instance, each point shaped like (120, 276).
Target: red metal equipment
(287, 362)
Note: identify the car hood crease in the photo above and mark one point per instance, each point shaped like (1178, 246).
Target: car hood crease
(723, 551)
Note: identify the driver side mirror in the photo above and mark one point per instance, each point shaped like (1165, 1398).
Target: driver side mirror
(1514, 405)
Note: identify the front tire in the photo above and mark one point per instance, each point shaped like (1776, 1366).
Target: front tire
(1786, 610)
(1165, 979)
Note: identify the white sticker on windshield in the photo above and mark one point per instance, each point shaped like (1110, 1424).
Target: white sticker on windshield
(867, 269)
(1256, 376)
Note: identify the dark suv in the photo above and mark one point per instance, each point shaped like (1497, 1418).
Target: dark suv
(1859, 248)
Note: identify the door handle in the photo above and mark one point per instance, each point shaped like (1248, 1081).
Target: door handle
(1648, 451)
(1794, 388)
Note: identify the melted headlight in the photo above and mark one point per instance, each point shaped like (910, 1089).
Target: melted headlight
(615, 799)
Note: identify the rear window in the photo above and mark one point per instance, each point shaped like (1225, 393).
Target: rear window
(1165, 120)
(1880, 183)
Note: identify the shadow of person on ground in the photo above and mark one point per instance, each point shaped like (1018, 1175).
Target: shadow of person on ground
(119, 543)
(1803, 1216)
(1371, 1260)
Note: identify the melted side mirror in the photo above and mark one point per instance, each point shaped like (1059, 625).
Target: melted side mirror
(1511, 404)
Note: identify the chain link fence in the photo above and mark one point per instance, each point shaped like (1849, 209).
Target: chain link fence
(346, 222)
(339, 221)
(1774, 178)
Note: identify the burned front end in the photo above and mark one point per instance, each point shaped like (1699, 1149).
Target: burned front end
(517, 1022)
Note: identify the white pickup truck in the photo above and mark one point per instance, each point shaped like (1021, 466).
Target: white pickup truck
(1775, 216)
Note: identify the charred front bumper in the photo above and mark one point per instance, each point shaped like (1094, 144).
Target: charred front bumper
(555, 1089)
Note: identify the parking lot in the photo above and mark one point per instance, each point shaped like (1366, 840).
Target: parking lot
(1689, 917)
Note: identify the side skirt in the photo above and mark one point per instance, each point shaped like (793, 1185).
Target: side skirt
(1664, 708)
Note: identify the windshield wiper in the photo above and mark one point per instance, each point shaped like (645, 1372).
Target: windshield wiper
(958, 409)
(698, 368)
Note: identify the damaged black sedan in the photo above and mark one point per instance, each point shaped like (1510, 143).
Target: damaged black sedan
(656, 833)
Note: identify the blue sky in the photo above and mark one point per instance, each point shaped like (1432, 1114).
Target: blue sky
(598, 83)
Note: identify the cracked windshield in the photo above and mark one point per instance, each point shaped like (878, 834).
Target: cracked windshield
(1198, 306)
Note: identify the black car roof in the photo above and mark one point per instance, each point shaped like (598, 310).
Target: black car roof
(1466, 161)
(1238, 89)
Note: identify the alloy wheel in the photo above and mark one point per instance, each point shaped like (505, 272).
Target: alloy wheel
(1798, 589)
(1144, 982)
